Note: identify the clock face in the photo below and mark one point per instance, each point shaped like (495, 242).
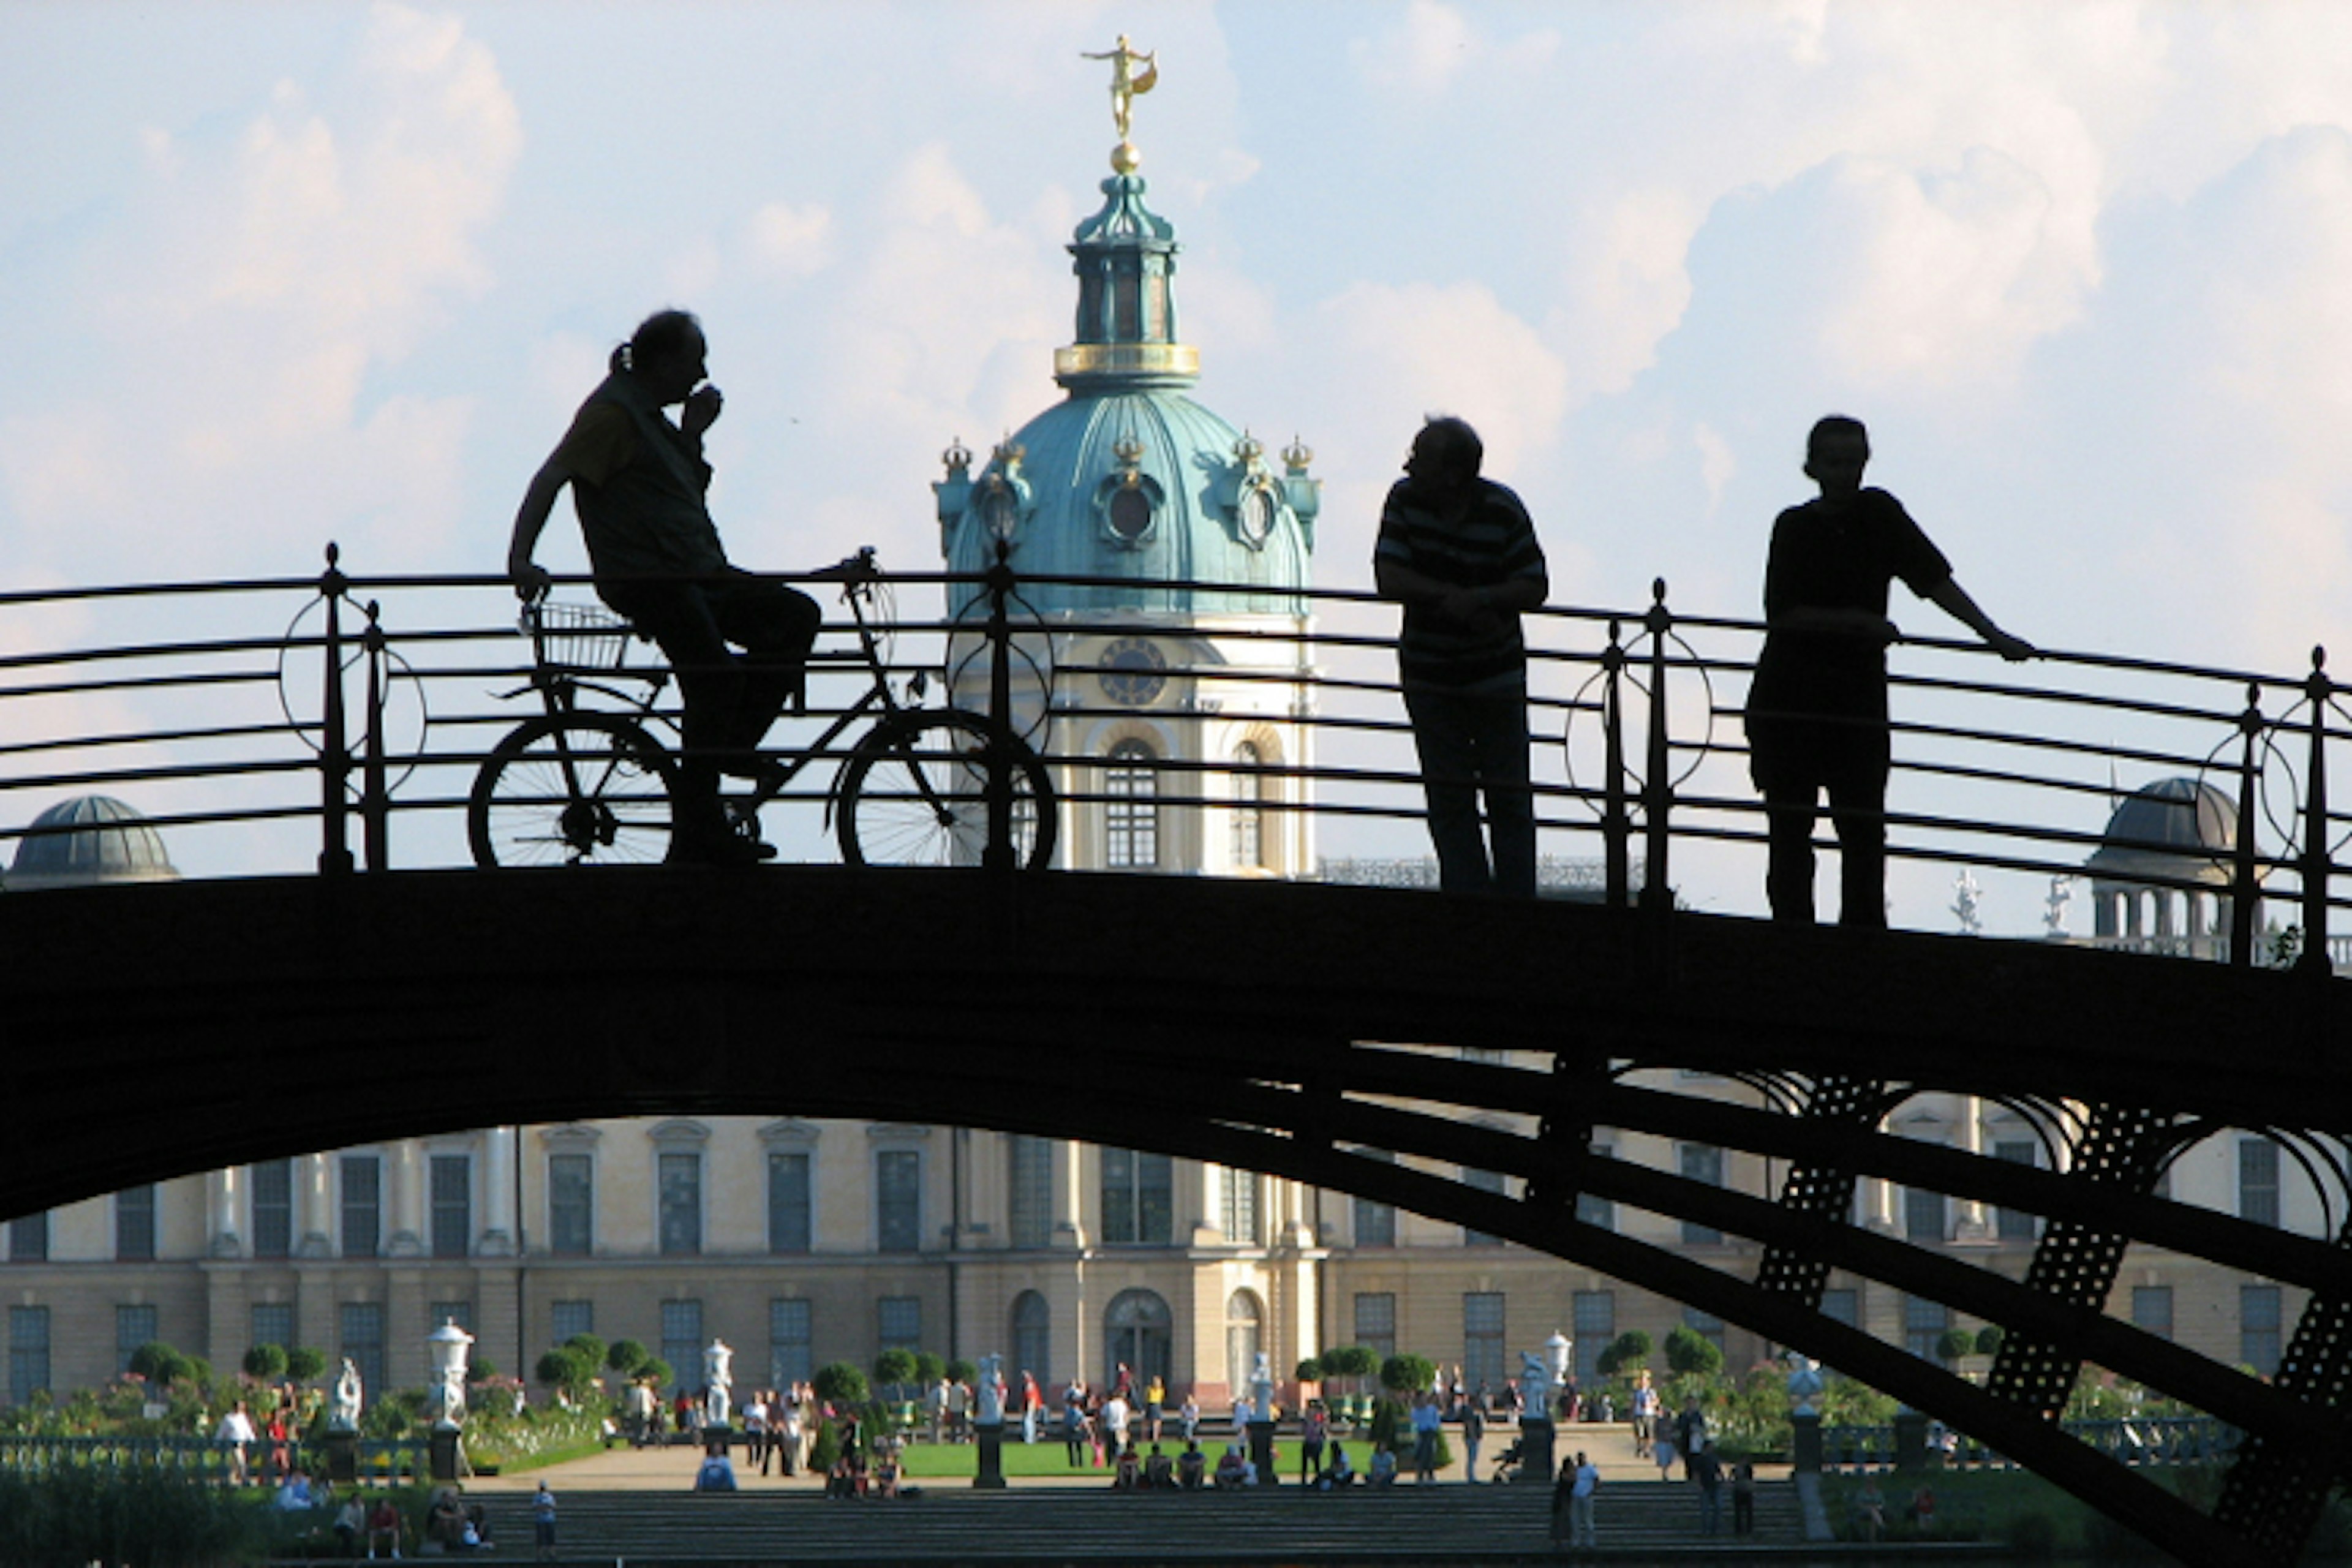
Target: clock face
(1134, 671)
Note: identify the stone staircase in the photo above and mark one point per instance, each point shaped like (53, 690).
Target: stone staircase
(1444, 1523)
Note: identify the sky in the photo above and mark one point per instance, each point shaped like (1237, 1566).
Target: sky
(276, 273)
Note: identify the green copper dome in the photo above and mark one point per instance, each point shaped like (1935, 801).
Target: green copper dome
(1129, 477)
(88, 840)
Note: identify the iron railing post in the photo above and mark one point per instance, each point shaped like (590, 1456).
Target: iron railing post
(998, 854)
(1658, 789)
(334, 751)
(2317, 860)
(1616, 821)
(375, 806)
(2245, 882)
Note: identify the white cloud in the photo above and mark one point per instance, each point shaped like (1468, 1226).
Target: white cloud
(252, 285)
(791, 242)
(1436, 47)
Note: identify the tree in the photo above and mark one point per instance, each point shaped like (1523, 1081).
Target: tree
(1954, 1343)
(625, 1356)
(928, 1370)
(895, 1367)
(1629, 1352)
(1405, 1373)
(480, 1369)
(567, 1368)
(266, 1363)
(591, 1348)
(655, 1371)
(306, 1363)
(840, 1383)
(1989, 1339)
(962, 1371)
(1688, 1352)
(162, 1365)
(1308, 1371)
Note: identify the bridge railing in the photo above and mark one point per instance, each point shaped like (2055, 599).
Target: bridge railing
(212, 708)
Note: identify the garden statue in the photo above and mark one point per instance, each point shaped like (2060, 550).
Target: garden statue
(345, 1416)
(1535, 1378)
(1262, 1387)
(1804, 1384)
(447, 1345)
(992, 1390)
(715, 1362)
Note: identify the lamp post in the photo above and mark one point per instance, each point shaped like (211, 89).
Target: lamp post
(446, 1350)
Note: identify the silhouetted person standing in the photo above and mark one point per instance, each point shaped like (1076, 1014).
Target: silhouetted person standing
(1459, 553)
(639, 483)
(1817, 709)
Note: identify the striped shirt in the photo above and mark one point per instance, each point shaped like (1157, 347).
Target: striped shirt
(1492, 543)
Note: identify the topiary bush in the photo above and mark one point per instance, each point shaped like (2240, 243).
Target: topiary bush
(1405, 1374)
(266, 1362)
(626, 1356)
(305, 1363)
(840, 1383)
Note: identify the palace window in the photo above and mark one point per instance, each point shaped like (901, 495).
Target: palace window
(452, 1178)
(1131, 814)
(273, 1208)
(1138, 1198)
(1031, 1181)
(363, 1199)
(570, 1205)
(134, 1224)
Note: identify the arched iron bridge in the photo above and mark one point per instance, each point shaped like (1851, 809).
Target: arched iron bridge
(335, 924)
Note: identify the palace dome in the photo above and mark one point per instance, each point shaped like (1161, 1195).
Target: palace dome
(92, 839)
(1129, 477)
(2177, 827)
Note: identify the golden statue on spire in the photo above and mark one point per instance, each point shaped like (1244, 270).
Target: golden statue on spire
(1126, 81)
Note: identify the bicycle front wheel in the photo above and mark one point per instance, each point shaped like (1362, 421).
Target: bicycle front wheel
(573, 789)
(915, 793)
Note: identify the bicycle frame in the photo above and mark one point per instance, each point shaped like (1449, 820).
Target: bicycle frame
(560, 689)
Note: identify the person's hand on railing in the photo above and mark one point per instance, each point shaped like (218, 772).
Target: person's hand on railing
(2014, 650)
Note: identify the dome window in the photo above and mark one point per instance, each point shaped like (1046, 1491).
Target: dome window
(1257, 514)
(1127, 508)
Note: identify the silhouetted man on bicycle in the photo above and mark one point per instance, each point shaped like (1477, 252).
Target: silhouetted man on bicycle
(638, 483)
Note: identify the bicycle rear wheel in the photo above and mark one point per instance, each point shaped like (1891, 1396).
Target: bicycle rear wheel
(574, 789)
(915, 793)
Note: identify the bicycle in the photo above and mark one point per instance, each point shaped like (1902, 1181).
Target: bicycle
(579, 786)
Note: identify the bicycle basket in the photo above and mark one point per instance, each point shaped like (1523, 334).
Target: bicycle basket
(577, 637)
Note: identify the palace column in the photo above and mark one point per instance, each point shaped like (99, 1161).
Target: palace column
(222, 1196)
(497, 1238)
(407, 1181)
(313, 1207)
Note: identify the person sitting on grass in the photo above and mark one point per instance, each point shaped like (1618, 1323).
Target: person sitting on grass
(1159, 1475)
(1339, 1473)
(1127, 1474)
(1384, 1467)
(1191, 1466)
(884, 1482)
(1232, 1470)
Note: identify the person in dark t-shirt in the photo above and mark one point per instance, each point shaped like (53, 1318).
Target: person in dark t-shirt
(1459, 553)
(1817, 708)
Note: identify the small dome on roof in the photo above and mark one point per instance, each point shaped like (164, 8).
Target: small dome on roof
(2176, 827)
(90, 839)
